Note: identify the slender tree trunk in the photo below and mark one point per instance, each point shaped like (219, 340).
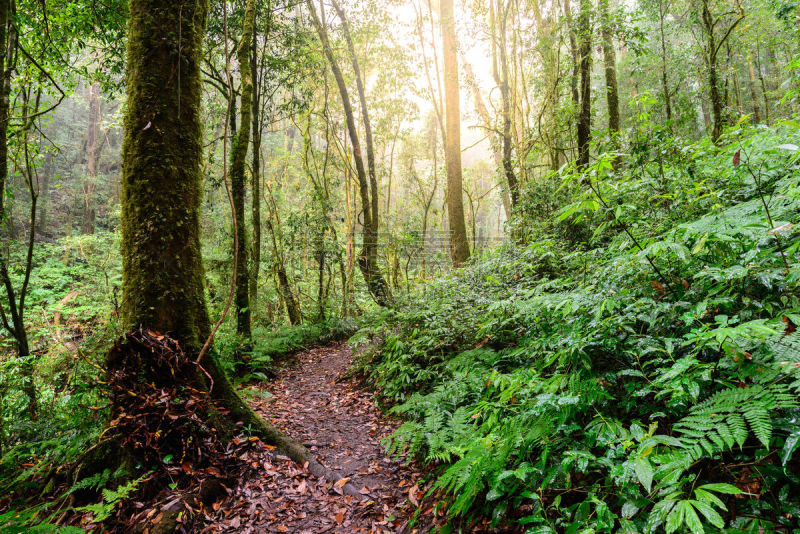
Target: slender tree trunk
(92, 157)
(455, 199)
(44, 193)
(369, 255)
(368, 258)
(573, 48)
(256, 176)
(499, 13)
(483, 113)
(662, 9)
(763, 85)
(15, 299)
(238, 184)
(284, 286)
(712, 50)
(753, 91)
(585, 116)
(610, 64)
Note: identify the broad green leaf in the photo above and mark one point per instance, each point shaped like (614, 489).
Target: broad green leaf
(644, 472)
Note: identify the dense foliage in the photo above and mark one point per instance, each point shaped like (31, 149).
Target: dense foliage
(642, 380)
(620, 352)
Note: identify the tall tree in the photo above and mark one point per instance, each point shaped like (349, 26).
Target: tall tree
(238, 183)
(710, 22)
(93, 144)
(14, 321)
(498, 12)
(161, 196)
(368, 258)
(610, 64)
(459, 245)
(257, 77)
(585, 112)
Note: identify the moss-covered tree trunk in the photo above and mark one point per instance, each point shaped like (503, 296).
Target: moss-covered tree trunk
(255, 199)
(161, 158)
(238, 184)
(610, 64)
(162, 266)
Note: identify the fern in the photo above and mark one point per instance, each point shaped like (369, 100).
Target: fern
(722, 421)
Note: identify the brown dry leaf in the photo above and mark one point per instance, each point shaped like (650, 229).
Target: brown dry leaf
(659, 287)
(412, 495)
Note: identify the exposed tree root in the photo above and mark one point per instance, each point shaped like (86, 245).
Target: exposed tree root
(164, 422)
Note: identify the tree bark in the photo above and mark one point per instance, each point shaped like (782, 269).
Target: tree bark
(753, 91)
(455, 201)
(499, 13)
(162, 266)
(256, 177)
(610, 64)
(238, 185)
(585, 115)
(15, 299)
(712, 49)
(368, 258)
(92, 157)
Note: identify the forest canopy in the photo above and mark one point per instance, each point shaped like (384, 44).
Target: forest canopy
(546, 250)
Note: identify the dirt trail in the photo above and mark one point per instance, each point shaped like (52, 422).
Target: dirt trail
(339, 423)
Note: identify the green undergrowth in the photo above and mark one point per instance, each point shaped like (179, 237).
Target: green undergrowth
(256, 359)
(634, 366)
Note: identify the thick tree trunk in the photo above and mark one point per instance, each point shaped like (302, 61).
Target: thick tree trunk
(585, 115)
(455, 199)
(238, 184)
(163, 279)
(160, 174)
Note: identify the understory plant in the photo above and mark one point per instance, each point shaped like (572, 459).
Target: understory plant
(635, 370)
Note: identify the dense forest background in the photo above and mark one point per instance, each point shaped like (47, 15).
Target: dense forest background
(562, 235)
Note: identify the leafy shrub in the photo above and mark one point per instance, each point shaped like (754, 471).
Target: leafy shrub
(640, 381)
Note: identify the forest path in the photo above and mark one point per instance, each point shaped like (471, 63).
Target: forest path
(337, 420)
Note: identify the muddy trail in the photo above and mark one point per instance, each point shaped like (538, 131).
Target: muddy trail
(312, 402)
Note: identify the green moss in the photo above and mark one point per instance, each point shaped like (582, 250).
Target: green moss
(162, 265)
